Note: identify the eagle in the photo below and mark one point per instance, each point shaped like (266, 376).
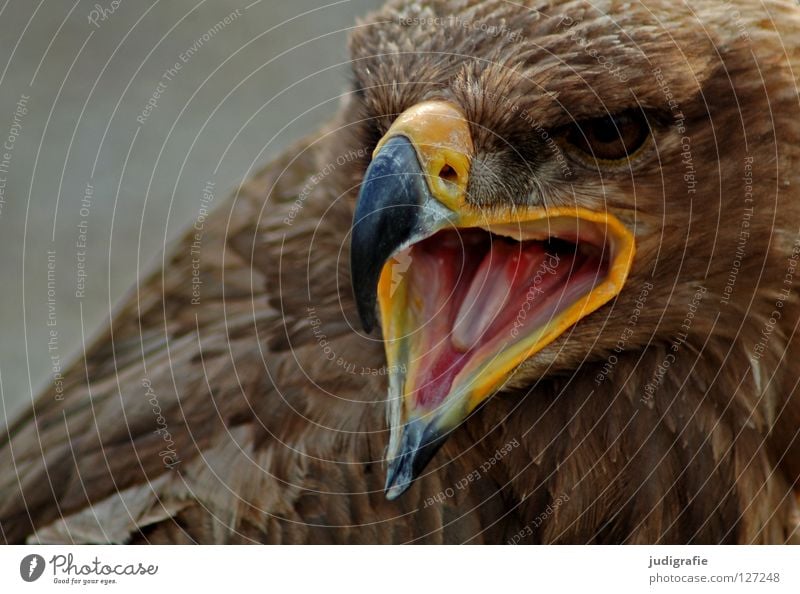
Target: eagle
(535, 282)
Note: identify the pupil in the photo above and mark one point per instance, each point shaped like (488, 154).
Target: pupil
(606, 130)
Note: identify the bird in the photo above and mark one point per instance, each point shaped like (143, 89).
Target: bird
(535, 283)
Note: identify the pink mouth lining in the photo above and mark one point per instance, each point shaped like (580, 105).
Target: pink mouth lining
(472, 293)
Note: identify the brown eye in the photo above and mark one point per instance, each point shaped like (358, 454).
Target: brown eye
(610, 138)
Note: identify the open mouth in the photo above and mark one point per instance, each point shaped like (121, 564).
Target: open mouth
(462, 308)
(464, 294)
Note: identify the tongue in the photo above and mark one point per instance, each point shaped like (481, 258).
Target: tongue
(509, 274)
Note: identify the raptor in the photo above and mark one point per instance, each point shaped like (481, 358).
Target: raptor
(536, 282)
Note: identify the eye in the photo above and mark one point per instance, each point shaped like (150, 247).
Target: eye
(610, 138)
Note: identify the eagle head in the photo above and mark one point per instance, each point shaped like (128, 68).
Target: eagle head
(556, 187)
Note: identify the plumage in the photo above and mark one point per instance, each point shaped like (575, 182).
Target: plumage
(257, 414)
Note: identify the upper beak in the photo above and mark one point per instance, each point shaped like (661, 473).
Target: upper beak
(413, 187)
(418, 169)
(394, 209)
(441, 367)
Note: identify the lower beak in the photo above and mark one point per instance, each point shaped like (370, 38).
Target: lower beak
(420, 440)
(464, 296)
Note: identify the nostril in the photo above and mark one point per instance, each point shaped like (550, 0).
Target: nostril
(448, 174)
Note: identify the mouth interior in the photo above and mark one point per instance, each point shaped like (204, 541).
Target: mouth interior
(471, 294)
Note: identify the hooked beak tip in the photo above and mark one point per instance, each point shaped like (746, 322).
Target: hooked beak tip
(420, 442)
(401, 473)
(394, 491)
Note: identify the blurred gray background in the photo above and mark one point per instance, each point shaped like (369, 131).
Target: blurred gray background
(74, 78)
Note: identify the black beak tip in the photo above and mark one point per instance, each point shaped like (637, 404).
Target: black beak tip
(393, 488)
(419, 446)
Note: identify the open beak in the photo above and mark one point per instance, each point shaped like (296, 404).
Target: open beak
(464, 294)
